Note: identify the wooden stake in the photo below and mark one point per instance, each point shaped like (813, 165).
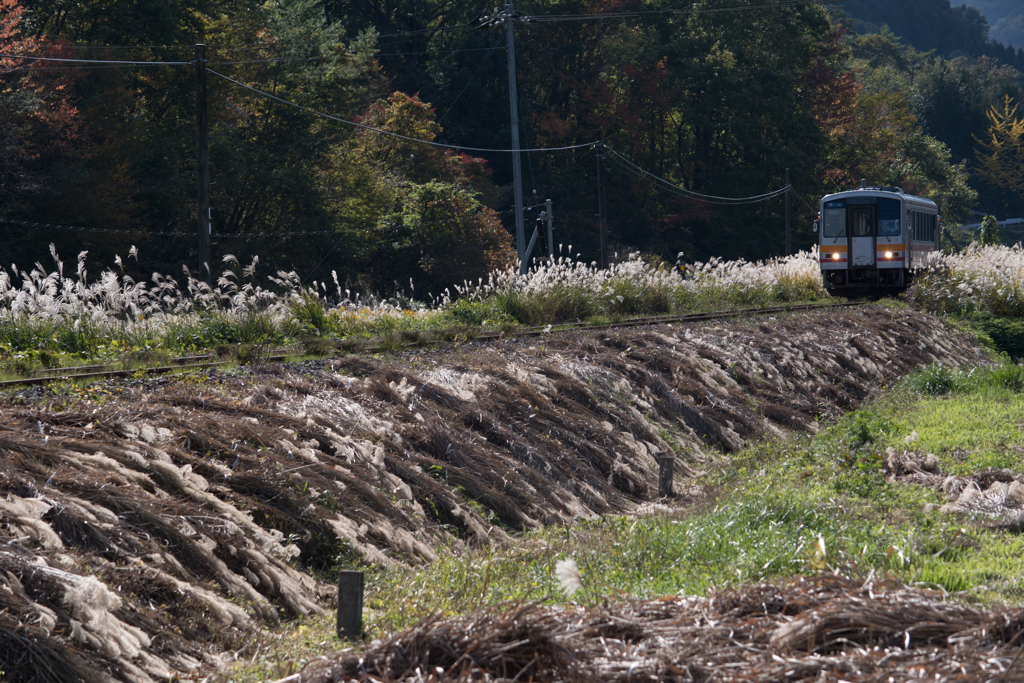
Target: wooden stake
(666, 464)
(350, 604)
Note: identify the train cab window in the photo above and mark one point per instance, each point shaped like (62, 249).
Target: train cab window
(888, 217)
(861, 224)
(834, 222)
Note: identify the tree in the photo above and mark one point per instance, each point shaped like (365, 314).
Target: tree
(989, 232)
(1001, 157)
(40, 126)
(430, 226)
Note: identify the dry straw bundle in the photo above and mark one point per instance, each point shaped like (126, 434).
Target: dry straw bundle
(825, 629)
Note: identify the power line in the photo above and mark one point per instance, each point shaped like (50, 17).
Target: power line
(476, 73)
(64, 68)
(118, 47)
(282, 60)
(798, 196)
(78, 228)
(389, 133)
(707, 198)
(538, 18)
(96, 61)
(551, 18)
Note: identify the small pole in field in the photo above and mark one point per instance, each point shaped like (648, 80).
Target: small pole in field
(666, 465)
(350, 604)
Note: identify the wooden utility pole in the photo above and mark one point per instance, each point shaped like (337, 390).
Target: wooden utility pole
(602, 218)
(517, 170)
(202, 166)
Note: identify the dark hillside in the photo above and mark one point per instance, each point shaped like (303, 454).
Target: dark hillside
(933, 25)
(1005, 17)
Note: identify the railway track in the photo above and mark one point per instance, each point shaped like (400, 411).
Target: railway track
(203, 362)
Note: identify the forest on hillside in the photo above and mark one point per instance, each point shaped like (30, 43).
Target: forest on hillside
(98, 151)
(938, 25)
(1005, 19)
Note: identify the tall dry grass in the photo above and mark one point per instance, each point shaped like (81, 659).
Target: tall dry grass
(978, 280)
(561, 289)
(46, 311)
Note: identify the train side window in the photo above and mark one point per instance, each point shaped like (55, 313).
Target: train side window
(834, 223)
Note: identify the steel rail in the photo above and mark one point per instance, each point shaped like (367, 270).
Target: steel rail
(187, 362)
(102, 374)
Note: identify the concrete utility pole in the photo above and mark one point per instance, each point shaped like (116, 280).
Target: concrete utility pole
(202, 166)
(601, 216)
(789, 241)
(517, 170)
(551, 237)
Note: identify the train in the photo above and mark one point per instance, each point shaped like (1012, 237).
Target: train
(871, 239)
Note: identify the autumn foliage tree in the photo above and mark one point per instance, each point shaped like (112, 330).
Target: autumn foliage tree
(38, 119)
(432, 229)
(1001, 153)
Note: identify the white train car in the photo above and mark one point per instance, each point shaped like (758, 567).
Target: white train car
(872, 238)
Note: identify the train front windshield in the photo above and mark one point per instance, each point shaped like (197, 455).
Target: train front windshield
(889, 217)
(883, 212)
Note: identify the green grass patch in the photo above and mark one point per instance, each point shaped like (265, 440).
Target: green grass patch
(807, 505)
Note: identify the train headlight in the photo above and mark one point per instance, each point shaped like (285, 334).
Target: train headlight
(835, 256)
(888, 254)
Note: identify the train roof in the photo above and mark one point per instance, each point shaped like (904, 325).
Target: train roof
(887, 191)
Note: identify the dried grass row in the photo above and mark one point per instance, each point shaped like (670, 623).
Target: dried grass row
(821, 629)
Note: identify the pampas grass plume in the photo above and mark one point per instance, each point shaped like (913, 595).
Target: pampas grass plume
(569, 576)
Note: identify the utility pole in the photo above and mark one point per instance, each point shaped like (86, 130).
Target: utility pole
(602, 218)
(517, 170)
(789, 241)
(551, 237)
(202, 166)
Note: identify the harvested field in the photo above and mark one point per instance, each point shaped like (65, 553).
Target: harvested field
(152, 525)
(826, 629)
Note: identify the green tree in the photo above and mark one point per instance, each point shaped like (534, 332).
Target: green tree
(430, 226)
(989, 232)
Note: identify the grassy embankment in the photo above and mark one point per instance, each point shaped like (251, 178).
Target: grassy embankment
(777, 510)
(780, 509)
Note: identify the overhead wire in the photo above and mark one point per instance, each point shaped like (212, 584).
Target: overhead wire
(96, 61)
(697, 196)
(283, 60)
(550, 18)
(78, 228)
(538, 18)
(798, 196)
(389, 133)
(476, 73)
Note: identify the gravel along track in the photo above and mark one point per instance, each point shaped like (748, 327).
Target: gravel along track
(151, 525)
